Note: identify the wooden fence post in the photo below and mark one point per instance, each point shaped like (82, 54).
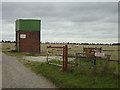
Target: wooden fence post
(107, 61)
(94, 60)
(76, 59)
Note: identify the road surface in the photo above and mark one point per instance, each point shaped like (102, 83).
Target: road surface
(16, 75)
(0, 68)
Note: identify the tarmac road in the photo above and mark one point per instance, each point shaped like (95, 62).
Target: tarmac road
(16, 75)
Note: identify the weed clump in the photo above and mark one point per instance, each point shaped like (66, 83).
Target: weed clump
(31, 54)
(14, 50)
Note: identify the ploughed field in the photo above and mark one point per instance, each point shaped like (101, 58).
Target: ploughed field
(72, 49)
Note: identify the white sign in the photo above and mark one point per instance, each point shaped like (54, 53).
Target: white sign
(22, 35)
(99, 54)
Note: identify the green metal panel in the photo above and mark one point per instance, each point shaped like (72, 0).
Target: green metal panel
(28, 25)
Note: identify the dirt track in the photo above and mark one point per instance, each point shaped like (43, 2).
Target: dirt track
(0, 69)
(16, 75)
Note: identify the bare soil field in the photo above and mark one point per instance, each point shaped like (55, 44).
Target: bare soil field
(72, 49)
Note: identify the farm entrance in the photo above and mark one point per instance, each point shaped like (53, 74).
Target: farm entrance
(86, 57)
(64, 54)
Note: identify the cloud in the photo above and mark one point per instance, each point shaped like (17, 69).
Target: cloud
(73, 22)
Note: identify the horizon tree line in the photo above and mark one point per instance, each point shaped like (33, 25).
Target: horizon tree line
(5, 41)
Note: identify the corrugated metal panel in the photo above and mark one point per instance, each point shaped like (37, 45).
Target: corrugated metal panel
(28, 25)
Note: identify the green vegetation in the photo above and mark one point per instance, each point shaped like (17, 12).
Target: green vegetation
(21, 54)
(56, 62)
(75, 77)
(13, 53)
(14, 50)
(81, 77)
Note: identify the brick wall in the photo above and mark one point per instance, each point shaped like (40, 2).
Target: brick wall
(31, 42)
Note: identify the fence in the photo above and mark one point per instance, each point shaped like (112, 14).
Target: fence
(77, 56)
(65, 52)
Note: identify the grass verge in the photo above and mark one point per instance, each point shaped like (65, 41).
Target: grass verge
(82, 77)
(20, 54)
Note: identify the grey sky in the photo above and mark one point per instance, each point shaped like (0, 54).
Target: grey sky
(65, 22)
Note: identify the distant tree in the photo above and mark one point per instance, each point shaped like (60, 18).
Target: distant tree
(116, 44)
(106, 44)
(68, 43)
(93, 44)
(14, 41)
(97, 44)
(84, 43)
(47, 42)
(9, 41)
(3, 41)
(101, 44)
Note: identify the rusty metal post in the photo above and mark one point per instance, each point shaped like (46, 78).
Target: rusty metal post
(65, 51)
(63, 58)
(47, 56)
(66, 54)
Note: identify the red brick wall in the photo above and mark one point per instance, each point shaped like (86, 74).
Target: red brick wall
(16, 39)
(31, 43)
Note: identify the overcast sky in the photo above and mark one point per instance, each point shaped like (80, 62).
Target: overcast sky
(92, 22)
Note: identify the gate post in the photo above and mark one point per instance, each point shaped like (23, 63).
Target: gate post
(63, 58)
(66, 54)
(47, 56)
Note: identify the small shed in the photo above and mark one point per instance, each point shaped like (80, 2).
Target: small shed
(28, 35)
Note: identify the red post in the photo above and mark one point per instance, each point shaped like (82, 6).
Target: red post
(47, 56)
(63, 57)
(66, 52)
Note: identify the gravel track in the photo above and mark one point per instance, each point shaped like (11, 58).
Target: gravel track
(16, 75)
